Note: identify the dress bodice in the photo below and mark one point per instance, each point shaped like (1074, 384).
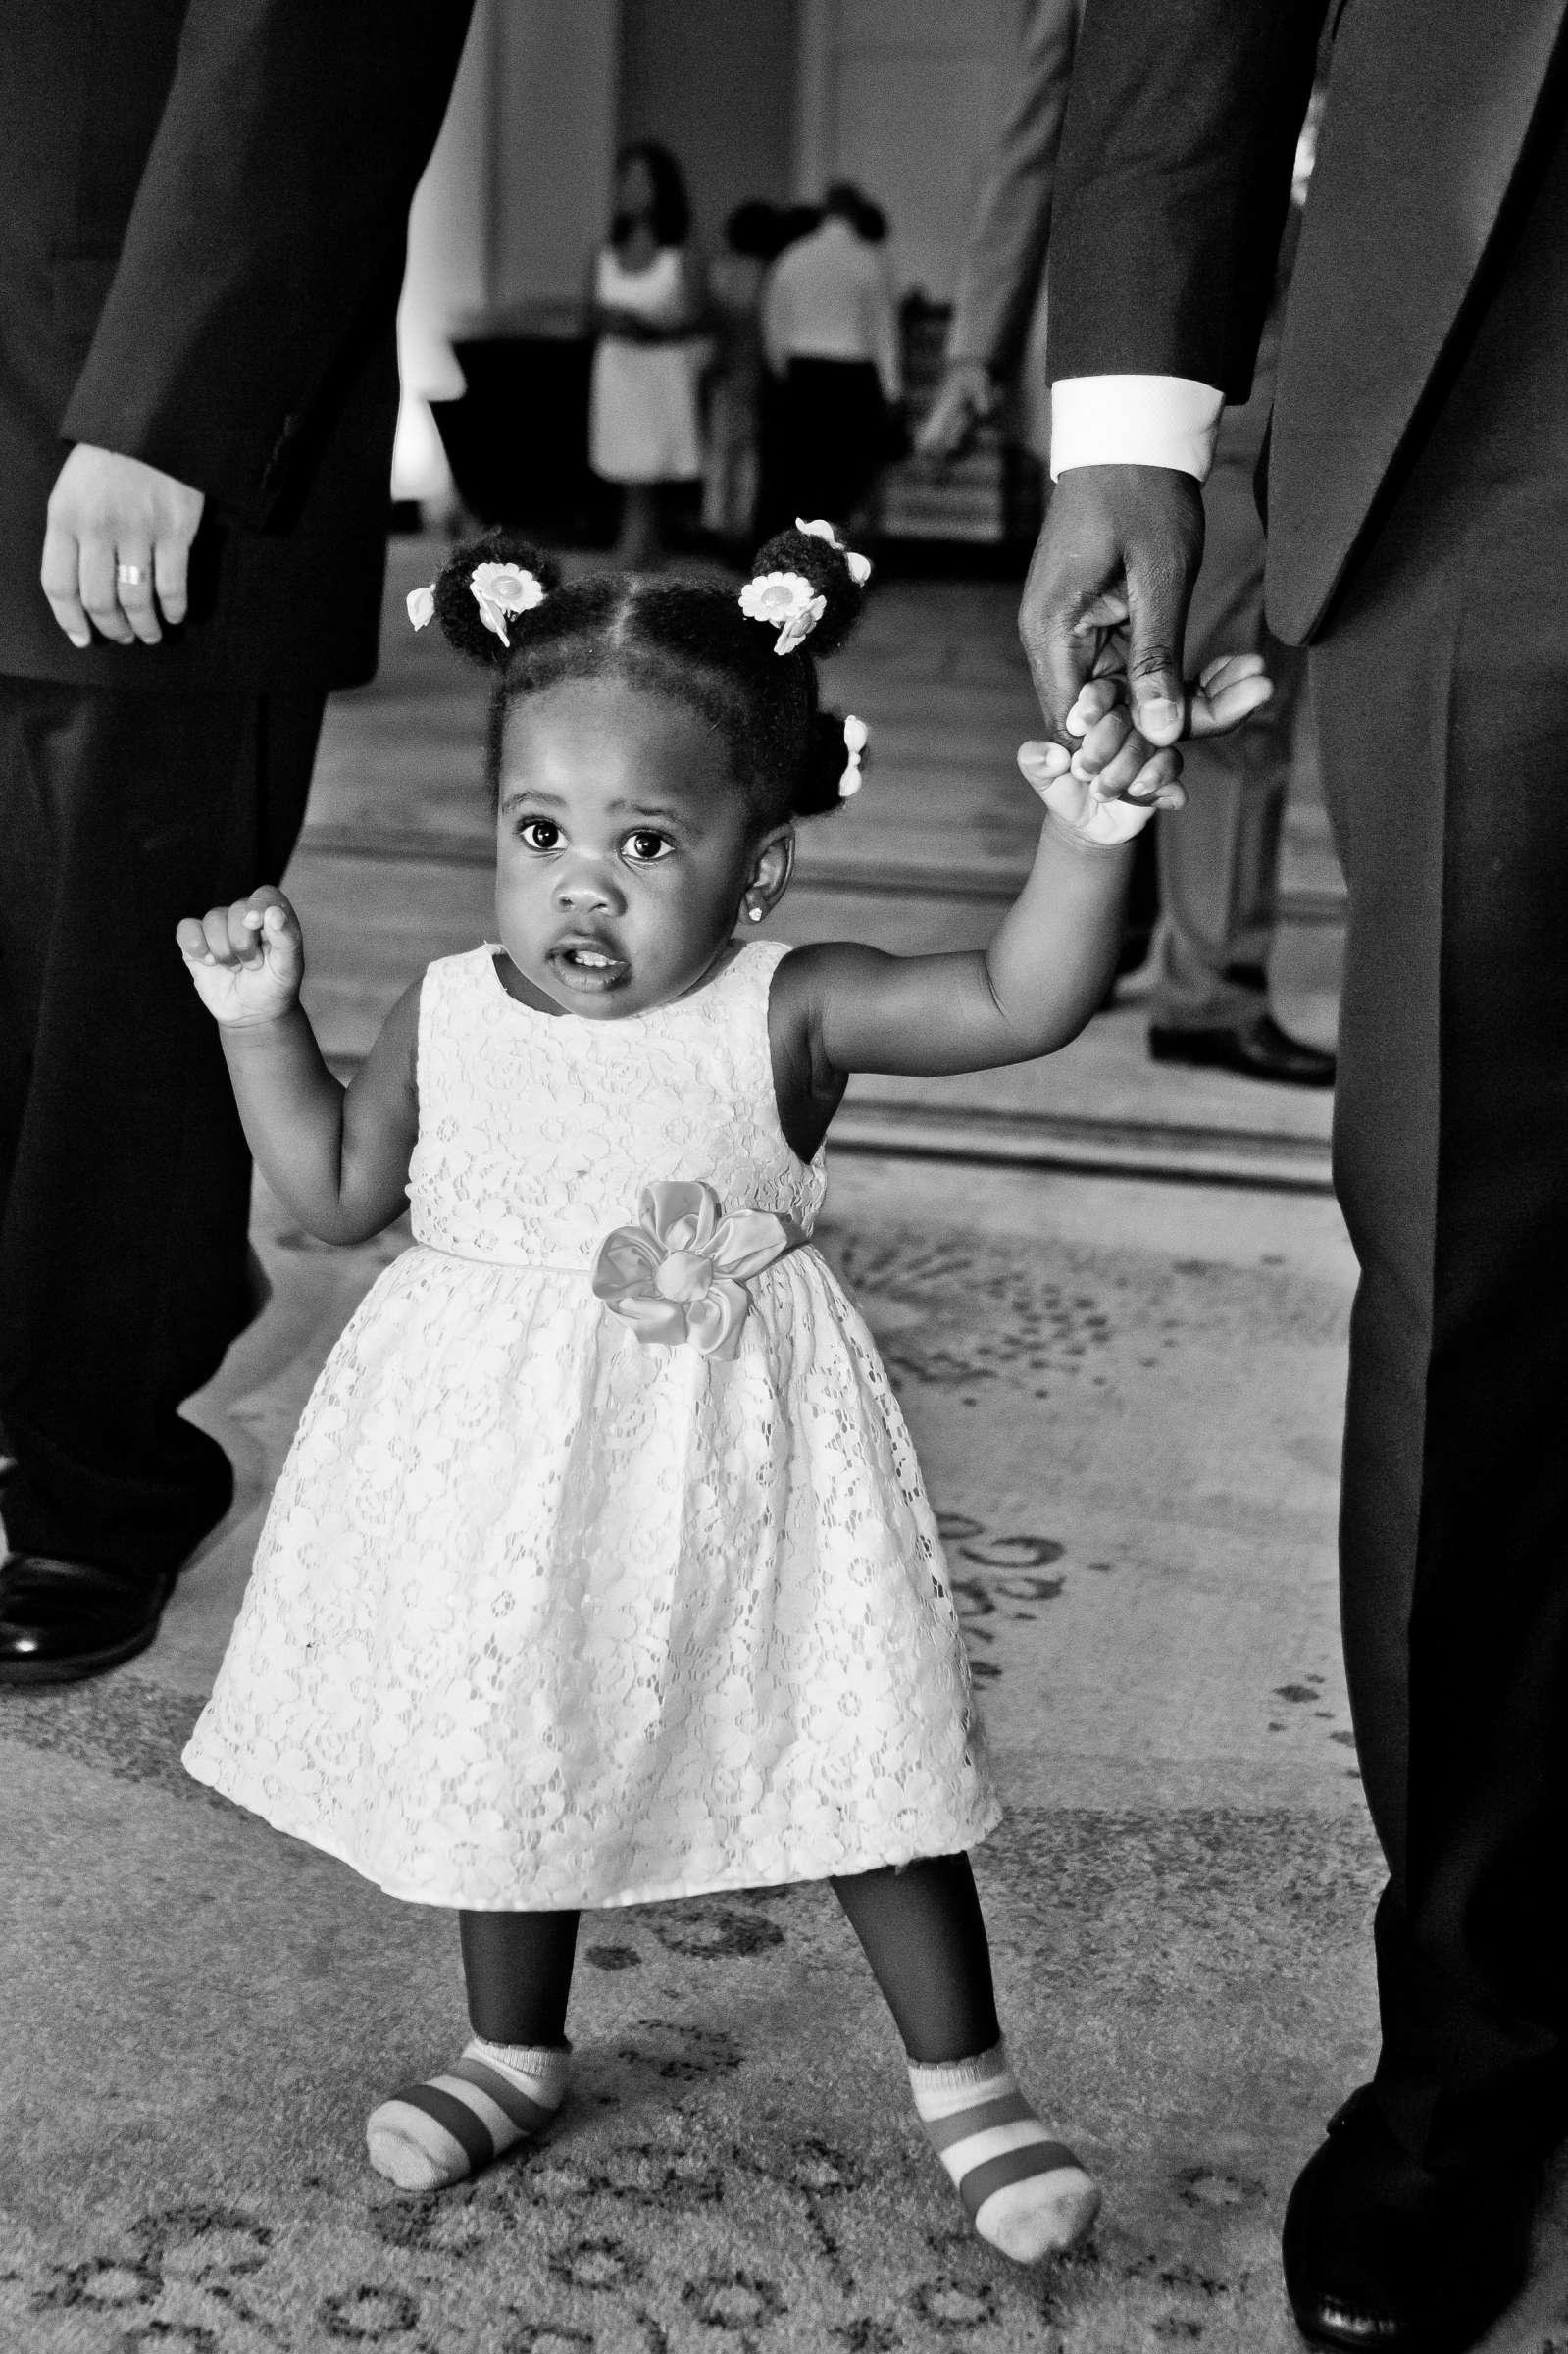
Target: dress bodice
(538, 1132)
(655, 293)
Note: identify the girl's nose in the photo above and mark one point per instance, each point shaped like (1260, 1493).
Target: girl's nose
(586, 883)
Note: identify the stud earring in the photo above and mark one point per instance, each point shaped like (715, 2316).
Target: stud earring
(754, 912)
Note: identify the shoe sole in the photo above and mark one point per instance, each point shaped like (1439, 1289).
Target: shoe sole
(78, 1669)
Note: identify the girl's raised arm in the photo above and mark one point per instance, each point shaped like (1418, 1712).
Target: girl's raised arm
(1034, 988)
(1052, 961)
(336, 1158)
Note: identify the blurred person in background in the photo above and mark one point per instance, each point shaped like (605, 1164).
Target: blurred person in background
(1218, 861)
(831, 334)
(648, 309)
(754, 235)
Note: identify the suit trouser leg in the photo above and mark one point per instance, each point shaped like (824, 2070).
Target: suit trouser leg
(1219, 857)
(1441, 698)
(124, 1176)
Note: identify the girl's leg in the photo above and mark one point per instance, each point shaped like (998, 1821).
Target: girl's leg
(925, 1938)
(517, 1968)
(511, 2077)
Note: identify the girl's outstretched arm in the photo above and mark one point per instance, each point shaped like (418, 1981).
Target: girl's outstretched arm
(336, 1158)
(848, 1009)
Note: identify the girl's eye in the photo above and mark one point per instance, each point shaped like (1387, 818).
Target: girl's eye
(539, 833)
(646, 849)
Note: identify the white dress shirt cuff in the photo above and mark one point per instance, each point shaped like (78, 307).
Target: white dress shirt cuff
(1133, 421)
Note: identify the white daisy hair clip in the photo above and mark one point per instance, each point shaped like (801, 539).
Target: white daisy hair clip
(788, 601)
(502, 589)
(859, 566)
(496, 589)
(856, 736)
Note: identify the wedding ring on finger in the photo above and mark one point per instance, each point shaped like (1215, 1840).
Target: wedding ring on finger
(130, 576)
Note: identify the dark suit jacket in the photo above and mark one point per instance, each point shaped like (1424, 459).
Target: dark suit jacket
(203, 207)
(1174, 174)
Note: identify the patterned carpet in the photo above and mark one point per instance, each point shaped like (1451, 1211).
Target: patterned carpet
(1126, 1397)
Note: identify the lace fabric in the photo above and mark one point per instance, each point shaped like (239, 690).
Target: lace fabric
(542, 1617)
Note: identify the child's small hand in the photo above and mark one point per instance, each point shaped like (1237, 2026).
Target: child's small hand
(1121, 778)
(1111, 785)
(247, 959)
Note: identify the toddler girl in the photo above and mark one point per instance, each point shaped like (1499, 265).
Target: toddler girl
(600, 1570)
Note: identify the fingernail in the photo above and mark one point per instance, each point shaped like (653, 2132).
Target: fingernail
(1159, 713)
(79, 642)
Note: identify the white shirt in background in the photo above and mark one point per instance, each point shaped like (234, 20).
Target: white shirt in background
(830, 297)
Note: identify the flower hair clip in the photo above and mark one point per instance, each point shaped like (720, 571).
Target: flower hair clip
(856, 735)
(788, 601)
(496, 589)
(859, 566)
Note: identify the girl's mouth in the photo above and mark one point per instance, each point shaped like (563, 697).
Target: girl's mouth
(582, 964)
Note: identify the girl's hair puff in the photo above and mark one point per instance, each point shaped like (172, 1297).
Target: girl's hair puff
(685, 639)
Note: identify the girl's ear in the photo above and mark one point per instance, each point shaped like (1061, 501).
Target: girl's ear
(773, 862)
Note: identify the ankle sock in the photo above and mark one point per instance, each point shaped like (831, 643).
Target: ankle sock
(1025, 2192)
(431, 2136)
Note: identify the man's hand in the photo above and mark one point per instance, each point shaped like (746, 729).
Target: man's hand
(1108, 590)
(965, 394)
(116, 545)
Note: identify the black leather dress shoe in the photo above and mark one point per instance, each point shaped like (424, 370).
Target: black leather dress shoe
(1260, 1051)
(1380, 2255)
(63, 1620)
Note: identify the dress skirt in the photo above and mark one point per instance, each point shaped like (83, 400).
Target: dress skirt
(542, 1617)
(642, 412)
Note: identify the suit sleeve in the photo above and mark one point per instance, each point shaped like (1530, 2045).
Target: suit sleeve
(267, 229)
(1004, 260)
(1173, 185)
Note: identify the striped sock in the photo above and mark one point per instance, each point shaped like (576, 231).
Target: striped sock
(431, 2136)
(1024, 2190)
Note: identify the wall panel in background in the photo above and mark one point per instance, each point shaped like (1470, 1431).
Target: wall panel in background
(715, 80)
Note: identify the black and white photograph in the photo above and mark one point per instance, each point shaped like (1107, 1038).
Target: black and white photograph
(783, 1176)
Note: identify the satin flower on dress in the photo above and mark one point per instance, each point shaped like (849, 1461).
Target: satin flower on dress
(679, 1274)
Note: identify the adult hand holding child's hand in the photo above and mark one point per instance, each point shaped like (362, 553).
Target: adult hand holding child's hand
(248, 961)
(1110, 785)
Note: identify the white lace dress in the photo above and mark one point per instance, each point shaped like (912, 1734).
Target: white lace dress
(545, 1616)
